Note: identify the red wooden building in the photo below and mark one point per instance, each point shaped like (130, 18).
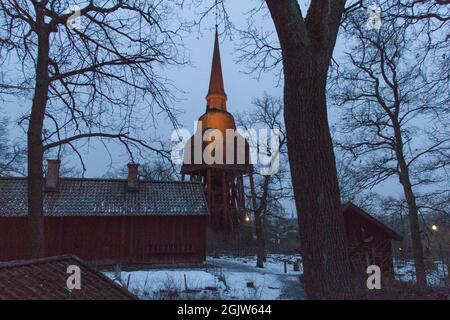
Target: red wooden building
(109, 221)
(369, 241)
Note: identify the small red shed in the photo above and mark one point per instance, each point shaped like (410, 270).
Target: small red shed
(109, 221)
(369, 241)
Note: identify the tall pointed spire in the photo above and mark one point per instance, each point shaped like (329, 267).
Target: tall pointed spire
(216, 98)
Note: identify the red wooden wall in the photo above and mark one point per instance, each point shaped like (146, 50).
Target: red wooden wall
(112, 240)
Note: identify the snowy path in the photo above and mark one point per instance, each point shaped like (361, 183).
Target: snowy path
(292, 289)
(227, 278)
(287, 284)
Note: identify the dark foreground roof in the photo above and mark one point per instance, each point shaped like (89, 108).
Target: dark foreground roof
(363, 214)
(46, 279)
(106, 197)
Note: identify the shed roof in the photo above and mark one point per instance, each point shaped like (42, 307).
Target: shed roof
(107, 197)
(349, 206)
(46, 279)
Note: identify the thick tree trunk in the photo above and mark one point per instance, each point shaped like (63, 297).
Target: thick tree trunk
(35, 148)
(317, 197)
(307, 47)
(416, 239)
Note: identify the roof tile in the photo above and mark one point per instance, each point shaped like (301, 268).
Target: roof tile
(106, 197)
(46, 279)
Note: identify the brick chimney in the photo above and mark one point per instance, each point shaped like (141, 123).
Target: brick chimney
(52, 177)
(133, 179)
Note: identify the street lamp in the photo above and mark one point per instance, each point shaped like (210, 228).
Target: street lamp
(441, 252)
(246, 217)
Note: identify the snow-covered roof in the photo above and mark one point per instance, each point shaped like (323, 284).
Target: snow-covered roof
(106, 197)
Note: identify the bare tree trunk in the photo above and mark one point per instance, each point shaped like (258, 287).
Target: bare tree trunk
(259, 222)
(35, 146)
(416, 239)
(307, 47)
(260, 241)
(316, 191)
(403, 243)
(415, 231)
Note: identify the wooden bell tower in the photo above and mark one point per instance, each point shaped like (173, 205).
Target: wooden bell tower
(223, 181)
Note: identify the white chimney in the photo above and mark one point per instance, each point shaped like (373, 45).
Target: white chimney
(133, 179)
(52, 177)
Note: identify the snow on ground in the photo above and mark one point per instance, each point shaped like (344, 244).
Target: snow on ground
(273, 263)
(270, 283)
(260, 286)
(234, 278)
(405, 271)
(225, 278)
(169, 283)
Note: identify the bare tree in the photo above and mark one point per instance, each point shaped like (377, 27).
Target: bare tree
(417, 11)
(437, 200)
(159, 170)
(153, 169)
(395, 212)
(270, 190)
(88, 75)
(389, 102)
(12, 156)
